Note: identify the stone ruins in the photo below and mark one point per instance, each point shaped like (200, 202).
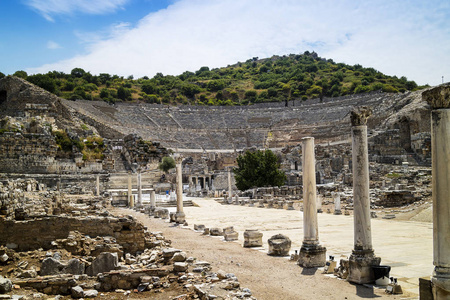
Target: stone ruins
(67, 167)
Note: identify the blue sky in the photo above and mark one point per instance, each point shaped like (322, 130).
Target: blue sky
(143, 37)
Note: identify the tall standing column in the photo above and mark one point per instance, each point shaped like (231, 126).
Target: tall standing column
(439, 100)
(97, 186)
(180, 217)
(139, 187)
(152, 200)
(230, 190)
(130, 191)
(362, 258)
(312, 254)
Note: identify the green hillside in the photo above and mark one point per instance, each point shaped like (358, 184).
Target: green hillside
(279, 78)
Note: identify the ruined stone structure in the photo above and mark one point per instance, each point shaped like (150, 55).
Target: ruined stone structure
(439, 100)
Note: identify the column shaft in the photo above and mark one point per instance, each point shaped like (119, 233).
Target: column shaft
(310, 224)
(361, 201)
(311, 253)
(97, 190)
(130, 192)
(139, 187)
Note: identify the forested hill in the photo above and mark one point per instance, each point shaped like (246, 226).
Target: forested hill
(279, 78)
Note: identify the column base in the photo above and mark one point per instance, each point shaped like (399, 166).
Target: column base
(440, 283)
(360, 266)
(312, 256)
(337, 212)
(179, 217)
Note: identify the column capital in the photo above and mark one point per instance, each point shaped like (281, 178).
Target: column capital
(178, 158)
(438, 97)
(359, 115)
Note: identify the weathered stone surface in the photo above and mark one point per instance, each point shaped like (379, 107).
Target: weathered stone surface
(180, 267)
(5, 285)
(279, 245)
(252, 238)
(77, 292)
(229, 234)
(90, 294)
(359, 115)
(105, 262)
(215, 231)
(438, 97)
(51, 266)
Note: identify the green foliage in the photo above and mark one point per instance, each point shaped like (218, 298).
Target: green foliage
(166, 164)
(258, 169)
(278, 78)
(2, 75)
(63, 141)
(21, 74)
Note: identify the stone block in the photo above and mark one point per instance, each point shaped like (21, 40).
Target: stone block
(215, 231)
(312, 256)
(279, 245)
(5, 285)
(105, 262)
(252, 238)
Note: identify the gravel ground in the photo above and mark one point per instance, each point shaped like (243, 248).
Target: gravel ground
(267, 277)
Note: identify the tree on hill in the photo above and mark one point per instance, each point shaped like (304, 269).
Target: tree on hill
(258, 169)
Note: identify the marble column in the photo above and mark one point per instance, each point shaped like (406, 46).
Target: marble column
(97, 186)
(230, 190)
(312, 254)
(139, 188)
(180, 217)
(337, 203)
(152, 199)
(130, 191)
(362, 258)
(439, 100)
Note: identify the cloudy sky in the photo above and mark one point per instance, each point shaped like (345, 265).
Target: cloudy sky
(142, 37)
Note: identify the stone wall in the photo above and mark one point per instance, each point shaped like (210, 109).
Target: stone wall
(39, 233)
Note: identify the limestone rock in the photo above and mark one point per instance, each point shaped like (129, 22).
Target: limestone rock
(51, 266)
(90, 294)
(5, 285)
(105, 262)
(77, 292)
(179, 257)
(279, 245)
(180, 267)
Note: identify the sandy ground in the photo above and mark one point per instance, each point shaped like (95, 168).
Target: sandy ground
(273, 277)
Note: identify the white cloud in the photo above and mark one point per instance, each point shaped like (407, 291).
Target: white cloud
(48, 8)
(53, 45)
(392, 37)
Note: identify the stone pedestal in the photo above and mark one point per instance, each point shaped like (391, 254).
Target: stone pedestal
(252, 238)
(362, 258)
(312, 254)
(439, 100)
(279, 245)
(180, 217)
(229, 234)
(130, 192)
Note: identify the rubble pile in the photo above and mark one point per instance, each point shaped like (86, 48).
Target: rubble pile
(76, 267)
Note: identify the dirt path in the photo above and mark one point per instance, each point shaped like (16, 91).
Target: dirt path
(267, 277)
